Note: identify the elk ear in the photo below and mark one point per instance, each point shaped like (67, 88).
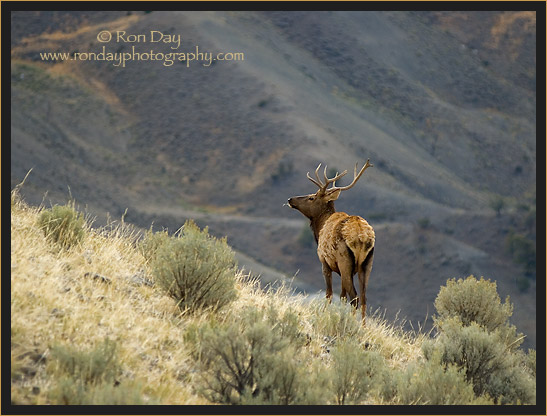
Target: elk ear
(333, 194)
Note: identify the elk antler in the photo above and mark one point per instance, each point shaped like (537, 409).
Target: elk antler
(323, 186)
(356, 175)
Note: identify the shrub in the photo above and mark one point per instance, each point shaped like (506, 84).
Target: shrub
(306, 238)
(194, 268)
(284, 169)
(151, 242)
(473, 300)
(335, 320)
(523, 251)
(523, 283)
(488, 364)
(249, 361)
(287, 325)
(91, 367)
(530, 362)
(497, 204)
(355, 372)
(431, 383)
(63, 225)
(475, 335)
(89, 377)
(69, 391)
(126, 393)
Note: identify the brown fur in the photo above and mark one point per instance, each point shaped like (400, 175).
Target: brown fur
(345, 244)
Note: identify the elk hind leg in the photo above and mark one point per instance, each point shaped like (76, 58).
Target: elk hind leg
(343, 293)
(327, 274)
(348, 289)
(364, 273)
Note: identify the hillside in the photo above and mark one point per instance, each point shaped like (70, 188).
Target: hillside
(443, 103)
(91, 323)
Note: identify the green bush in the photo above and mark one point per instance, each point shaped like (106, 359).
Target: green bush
(251, 361)
(63, 225)
(336, 320)
(287, 325)
(69, 391)
(523, 251)
(306, 238)
(486, 360)
(126, 393)
(473, 300)
(194, 268)
(284, 169)
(530, 362)
(151, 242)
(90, 377)
(355, 372)
(497, 204)
(474, 334)
(91, 367)
(431, 383)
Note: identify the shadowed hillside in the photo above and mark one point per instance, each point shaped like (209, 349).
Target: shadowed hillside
(443, 103)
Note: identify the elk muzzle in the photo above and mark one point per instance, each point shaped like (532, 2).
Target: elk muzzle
(296, 202)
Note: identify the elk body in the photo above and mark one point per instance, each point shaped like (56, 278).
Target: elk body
(345, 243)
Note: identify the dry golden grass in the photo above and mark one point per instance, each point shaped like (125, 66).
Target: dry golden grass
(95, 290)
(56, 299)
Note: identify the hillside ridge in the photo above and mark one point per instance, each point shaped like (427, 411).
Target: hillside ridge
(92, 323)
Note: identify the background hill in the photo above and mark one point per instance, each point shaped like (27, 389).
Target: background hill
(443, 103)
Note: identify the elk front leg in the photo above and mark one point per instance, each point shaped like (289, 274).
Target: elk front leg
(327, 274)
(364, 274)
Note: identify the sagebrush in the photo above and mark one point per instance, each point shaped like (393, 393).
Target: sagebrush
(475, 335)
(63, 225)
(90, 377)
(431, 382)
(193, 267)
(355, 372)
(253, 360)
(473, 300)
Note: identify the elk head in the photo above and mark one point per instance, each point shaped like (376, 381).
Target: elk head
(322, 202)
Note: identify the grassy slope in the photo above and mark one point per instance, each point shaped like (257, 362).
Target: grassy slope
(53, 302)
(57, 301)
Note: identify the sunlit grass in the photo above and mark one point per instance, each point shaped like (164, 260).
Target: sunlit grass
(102, 288)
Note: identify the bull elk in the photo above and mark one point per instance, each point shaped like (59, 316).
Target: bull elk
(345, 243)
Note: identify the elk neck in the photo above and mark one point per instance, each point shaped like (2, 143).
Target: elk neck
(318, 221)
